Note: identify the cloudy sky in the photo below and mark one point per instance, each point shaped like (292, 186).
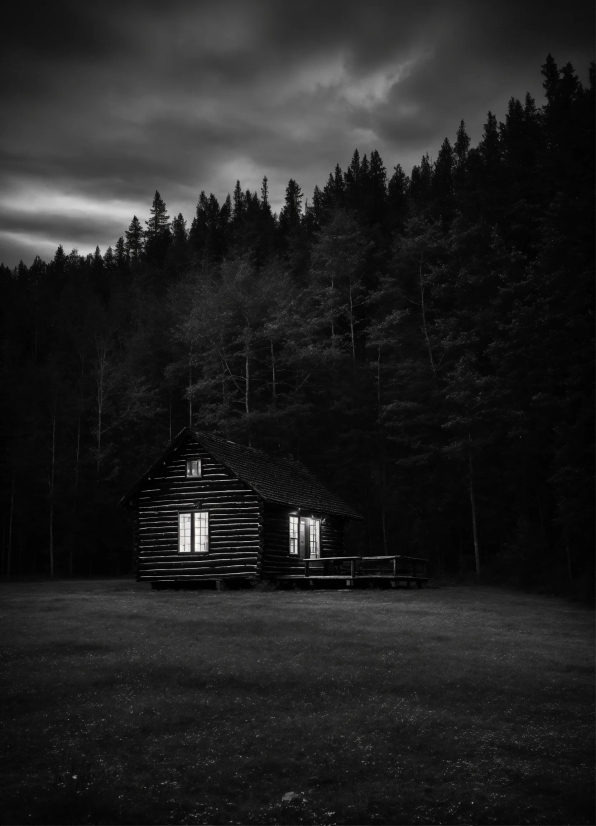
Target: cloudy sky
(105, 101)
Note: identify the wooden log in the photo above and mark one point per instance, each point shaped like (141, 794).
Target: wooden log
(173, 557)
(210, 571)
(210, 577)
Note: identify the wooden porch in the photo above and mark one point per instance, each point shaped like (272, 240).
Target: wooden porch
(355, 569)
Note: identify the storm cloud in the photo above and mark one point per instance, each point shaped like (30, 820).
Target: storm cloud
(105, 102)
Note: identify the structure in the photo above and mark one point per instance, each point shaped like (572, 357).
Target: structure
(210, 509)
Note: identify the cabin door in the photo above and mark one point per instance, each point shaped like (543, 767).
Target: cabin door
(309, 538)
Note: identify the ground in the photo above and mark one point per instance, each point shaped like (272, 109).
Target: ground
(449, 705)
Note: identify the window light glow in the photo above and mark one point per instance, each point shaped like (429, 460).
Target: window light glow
(193, 468)
(184, 533)
(193, 532)
(294, 535)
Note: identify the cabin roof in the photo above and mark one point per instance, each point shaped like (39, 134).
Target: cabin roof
(275, 479)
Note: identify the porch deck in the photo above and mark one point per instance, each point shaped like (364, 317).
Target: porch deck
(351, 569)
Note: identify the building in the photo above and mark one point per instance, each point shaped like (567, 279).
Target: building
(210, 509)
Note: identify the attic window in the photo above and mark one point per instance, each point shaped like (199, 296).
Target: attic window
(193, 468)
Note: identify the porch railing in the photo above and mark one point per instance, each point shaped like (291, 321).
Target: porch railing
(395, 567)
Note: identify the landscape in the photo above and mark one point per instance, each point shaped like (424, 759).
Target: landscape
(445, 705)
(297, 312)
(422, 343)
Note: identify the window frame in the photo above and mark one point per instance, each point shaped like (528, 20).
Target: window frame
(189, 463)
(293, 535)
(315, 537)
(304, 535)
(192, 537)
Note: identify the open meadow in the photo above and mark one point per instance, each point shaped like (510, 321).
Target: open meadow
(452, 705)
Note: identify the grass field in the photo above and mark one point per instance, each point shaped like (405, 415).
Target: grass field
(452, 705)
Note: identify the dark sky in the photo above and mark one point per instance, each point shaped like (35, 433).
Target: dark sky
(104, 102)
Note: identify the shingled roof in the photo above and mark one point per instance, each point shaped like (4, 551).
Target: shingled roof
(276, 480)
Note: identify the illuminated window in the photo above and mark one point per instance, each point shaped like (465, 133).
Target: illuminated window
(315, 538)
(305, 537)
(184, 533)
(193, 468)
(193, 532)
(294, 535)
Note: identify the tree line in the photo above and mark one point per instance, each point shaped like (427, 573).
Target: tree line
(423, 343)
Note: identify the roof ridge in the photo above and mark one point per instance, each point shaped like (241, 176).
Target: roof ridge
(202, 433)
(277, 479)
(265, 453)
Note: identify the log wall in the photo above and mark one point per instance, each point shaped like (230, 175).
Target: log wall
(276, 555)
(235, 521)
(332, 536)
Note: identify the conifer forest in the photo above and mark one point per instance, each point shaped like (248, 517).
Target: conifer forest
(423, 343)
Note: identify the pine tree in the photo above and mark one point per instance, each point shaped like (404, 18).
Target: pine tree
(420, 185)
(157, 234)
(239, 204)
(334, 191)
(491, 171)
(337, 278)
(109, 259)
(461, 150)
(265, 205)
(158, 223)
(121, 254)
(442, 190)
(97, 260)
(374, 190)
(178, 252)
(461, 147)
(315, 212)
(57, 268)
(291, 212)
(209, 236)
(522, 145)
(397, 199)
(134, 240)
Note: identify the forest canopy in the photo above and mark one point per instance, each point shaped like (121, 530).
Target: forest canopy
(423, 343)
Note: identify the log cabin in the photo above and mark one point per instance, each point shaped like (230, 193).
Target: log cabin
(213, 510)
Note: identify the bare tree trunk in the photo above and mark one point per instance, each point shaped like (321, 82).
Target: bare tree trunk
(379, 383)
(332, 308)
(52, 484)
(384, 511)
(99, 416)
(9, 550)
(352, 325)
(424, 326)
(247, 387)
(103, 393)
(474, 525)
(76, 493)
(274, 385)
(247, 384)
(384, 517)
(189, 390)
(35, 337)
(51, 540)
(102, 353)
